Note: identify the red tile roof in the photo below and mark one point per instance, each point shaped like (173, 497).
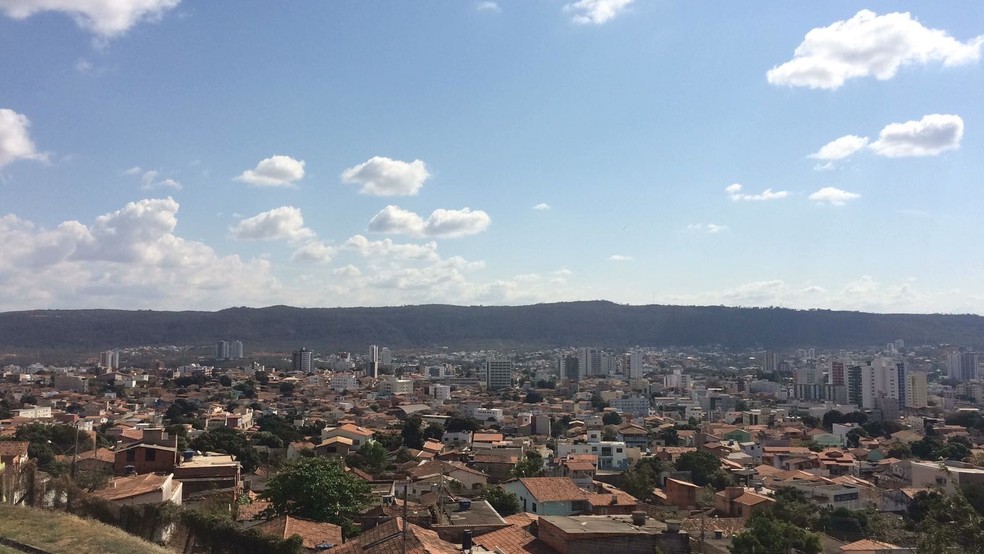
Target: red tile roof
(553, 489)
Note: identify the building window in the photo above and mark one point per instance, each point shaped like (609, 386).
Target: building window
(150, 455)
(534, 507)
(619, 450)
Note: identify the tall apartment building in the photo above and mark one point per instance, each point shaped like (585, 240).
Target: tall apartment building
(770, 362)
(303, 360)
(963, 366)
(109, 359)
(837, 373)
(221, 350)
(568, 368)
(879, 378)
(372, 362)
(498, 374)
(589, 362)
(917, 390)
(635, 364)
(236, 350)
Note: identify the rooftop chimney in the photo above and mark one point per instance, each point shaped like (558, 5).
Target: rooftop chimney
(638, 518)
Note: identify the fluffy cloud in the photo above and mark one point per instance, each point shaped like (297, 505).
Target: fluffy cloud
(595, 12)
(710, 228)
(275, 171)
(488, 6)
(314, 252)
(870, 45)
(129, 258)
(15, 141)
(283, 223)
(839, 149)
(542, 207)
(735, 192)
(620, 258)
(929, 136)
(386, 247)
(386, 177)
(441, 223)
(106, 18)
(833, 196)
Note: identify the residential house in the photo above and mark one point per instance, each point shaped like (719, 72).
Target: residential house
(358, 435)
(315, 536)
(549, 495)
(149, 488)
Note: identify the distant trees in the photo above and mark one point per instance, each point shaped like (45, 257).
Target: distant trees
(704, 468)
(530, 466)
(371, 457)
(504, 502)
(457, 424)
(767, 534)
(228, 441)
(412, 432)
(533, 397)
(611, 418)
(643, 477)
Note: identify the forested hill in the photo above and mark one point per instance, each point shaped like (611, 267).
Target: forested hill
(543, 325)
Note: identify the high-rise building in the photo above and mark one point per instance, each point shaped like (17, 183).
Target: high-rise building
(917, 393)
(635, 364)
(568, 368)
(879, 378)
(385, 357)
(109, 359)
(854, 395)
(609, 364)
(221, 350)
(770, 363)
(303, 360)
(498, 374)
(589, 362)
(236, 350)
(837, 376)
(963, 366)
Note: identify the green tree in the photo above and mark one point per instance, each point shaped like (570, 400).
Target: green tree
(764, 533)
(268, 439)
(899, 450)
(262, 377)
(504, 502)
(703, 466)
(228, 441)
(669, 436)
(533, 397)
(456, 424)
(287, 388)
(371, 457)
(318, 489)
(433, 432)
(611, 418)
(413, 436)
(280, 426)
(225, 381)
(948, 524)
(530, 466)
(642, 478)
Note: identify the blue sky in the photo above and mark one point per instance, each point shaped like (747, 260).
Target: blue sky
(169, 154)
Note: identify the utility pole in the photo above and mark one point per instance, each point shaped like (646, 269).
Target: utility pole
(75, 452)
(406, 498)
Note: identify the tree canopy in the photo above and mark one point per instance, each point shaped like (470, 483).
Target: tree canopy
(228, 441)
(317, 489)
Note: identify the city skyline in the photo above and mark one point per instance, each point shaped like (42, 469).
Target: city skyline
(166, 155)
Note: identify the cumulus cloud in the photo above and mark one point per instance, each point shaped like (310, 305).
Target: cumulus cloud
(488, 6)
(595, 12)
(542, 207)
(315, 251)
(709, 228)
(15, 141)
(870, 45)
(106, 18)
(275, 171)
(125, 259)
(838, 149)
(387, 177)
(833, 196)
(386, 247)
(620, 258)
(931, 135)
(283, 223)
(441, 223)
(735, 193)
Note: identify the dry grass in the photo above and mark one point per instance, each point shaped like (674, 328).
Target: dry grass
(62, 533)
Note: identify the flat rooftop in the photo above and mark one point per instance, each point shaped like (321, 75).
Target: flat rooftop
(611, 525)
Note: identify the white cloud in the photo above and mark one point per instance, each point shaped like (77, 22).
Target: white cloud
(931, 135)
(870, 45)
(833, 196)
(15, 141)
(387, 177)
(488, 6)
(386, 247)
(314, 252)
(620, 258)
(129, 258)
(542, 207)
(709, 228)
(347, 271)
(441, 223)
(106, 18)
(595, 12)
(735, 192)
(149, 179)
(283, 223)
(838, 149)
(275, 171)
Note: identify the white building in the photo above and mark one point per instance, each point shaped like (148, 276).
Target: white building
(341, 382)
(916, 390)
(611, 454)
(109, 359)
(637, 406)
(498, 374)
(635, 364)
(879, 378)
(394, 385)
(589, 362)
(485, 414)
(442, 392)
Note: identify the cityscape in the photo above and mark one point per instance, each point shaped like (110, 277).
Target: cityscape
(491, 277)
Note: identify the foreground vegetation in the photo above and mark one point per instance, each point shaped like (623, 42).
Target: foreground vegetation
(61, 533)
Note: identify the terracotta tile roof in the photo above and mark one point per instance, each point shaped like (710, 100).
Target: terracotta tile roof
(312, 533)
(751, 499)
(127, 487)
(387, 538)
(867, 545)
(512, 540)
(553, 489)
(13, 449)
(487, 437)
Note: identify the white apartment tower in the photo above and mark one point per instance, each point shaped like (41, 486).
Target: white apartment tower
(635, 364)
(498, 374)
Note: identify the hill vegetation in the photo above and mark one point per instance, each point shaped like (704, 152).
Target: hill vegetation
(595, 323)
(61, 533)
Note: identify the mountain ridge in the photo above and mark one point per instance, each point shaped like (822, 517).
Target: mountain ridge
(588, 323)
